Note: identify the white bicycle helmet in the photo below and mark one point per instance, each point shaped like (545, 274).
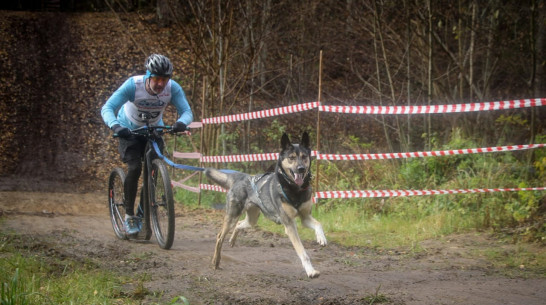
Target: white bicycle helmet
(159, 65)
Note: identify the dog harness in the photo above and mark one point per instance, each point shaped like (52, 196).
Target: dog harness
(268, 210)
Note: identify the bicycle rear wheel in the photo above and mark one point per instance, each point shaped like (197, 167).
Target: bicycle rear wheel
(162, 205)
(116, 202)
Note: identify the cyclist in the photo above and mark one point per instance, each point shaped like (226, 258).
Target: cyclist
(143, 94)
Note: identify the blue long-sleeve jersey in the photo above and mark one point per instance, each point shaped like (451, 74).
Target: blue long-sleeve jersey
(129, 101)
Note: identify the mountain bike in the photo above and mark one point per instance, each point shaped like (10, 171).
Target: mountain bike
(156, 195)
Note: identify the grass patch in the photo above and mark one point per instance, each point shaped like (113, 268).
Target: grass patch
(351, 224)
(30, 280)
(376, 298)
(517, 260)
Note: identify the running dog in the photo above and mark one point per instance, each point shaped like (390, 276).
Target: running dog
(281, 196)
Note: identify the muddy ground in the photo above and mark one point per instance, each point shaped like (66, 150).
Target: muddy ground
(263, 268)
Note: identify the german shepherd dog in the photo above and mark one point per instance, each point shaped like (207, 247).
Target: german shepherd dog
(281, 196)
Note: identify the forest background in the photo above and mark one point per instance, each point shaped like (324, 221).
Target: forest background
(62, 63)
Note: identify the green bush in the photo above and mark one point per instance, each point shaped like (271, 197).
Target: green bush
(496, 210)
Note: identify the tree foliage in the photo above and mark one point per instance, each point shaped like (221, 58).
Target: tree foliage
(375, 52)
(240, 56)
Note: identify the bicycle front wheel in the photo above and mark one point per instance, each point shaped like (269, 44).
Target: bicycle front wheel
(162, 205)
(116, 202)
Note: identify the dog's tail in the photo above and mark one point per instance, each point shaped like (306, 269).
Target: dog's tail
(223, 179)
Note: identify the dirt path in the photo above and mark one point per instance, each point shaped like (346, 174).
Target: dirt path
(263, 268)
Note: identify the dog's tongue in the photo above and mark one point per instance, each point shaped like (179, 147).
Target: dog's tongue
(298, 178)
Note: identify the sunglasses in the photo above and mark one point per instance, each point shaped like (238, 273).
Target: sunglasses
(160, 78)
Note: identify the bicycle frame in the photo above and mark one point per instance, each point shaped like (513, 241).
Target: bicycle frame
(156, 197)
(152, 134)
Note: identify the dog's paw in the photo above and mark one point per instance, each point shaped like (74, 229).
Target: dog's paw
(216, 267)
(232, 242)
(215, 263)
(313, 274)
(321, 240)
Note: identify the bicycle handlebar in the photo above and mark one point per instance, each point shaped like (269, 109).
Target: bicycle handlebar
(148, 130)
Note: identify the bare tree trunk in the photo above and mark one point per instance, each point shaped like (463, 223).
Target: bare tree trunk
(378, 72)
(473, 30)
(429, 81)
(490, 64)
(460, 51)
(221, 66)
(539, 54)
(538, 32)
(392, 88)
(408, 71)
(250, 46)
(263, 49)
(539, 86)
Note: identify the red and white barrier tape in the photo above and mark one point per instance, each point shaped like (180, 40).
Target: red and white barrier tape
(244, 158)
(240, 158)
(393, 193)
(383, 156)
(405, 193)
(212, 188)
(426, 153)
(487, 106)
(261, 114)
(186, 187)
(194, 125)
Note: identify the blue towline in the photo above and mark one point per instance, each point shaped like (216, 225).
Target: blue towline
(183, 166)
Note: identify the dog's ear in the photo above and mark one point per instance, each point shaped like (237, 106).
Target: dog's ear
(285, 141)
(305, 140)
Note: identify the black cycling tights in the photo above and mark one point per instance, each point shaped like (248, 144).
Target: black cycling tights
(131, 185)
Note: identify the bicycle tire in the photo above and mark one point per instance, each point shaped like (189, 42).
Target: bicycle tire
(143, 211)
(162, 205)
(116, 204)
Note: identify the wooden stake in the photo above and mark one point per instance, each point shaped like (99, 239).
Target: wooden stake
(201, 136)
(318, 125)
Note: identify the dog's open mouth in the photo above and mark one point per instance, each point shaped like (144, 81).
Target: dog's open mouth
(298, 178)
